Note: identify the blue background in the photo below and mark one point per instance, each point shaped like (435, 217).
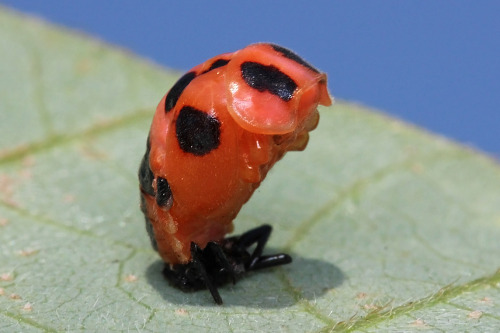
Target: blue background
(434, 63)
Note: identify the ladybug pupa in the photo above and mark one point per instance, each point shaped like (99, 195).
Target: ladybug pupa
(213, 138)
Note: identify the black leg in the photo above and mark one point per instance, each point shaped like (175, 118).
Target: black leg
(271, 261)
(219, 263)
(199, 265)
(257, 261)
(259, 235)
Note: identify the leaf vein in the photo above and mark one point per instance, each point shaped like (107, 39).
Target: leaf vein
(98, 128)
(441, 296)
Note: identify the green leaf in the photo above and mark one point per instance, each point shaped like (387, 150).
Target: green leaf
(390, 228)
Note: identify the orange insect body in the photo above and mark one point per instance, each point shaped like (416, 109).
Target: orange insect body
(215, 136)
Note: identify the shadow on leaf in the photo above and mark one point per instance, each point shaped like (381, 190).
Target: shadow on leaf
(279, 287)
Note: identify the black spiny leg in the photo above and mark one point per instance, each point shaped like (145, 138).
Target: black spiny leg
(219, 263)
(200, 265)
(257, 260)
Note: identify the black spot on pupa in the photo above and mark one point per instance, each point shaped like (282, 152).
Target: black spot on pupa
(197, 132)
(176, 91)
(268, 78)
(146, 175)
(217, 63)
(293, 56)
(163, 192)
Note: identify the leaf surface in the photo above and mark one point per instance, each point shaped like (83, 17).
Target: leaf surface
(390, 228)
